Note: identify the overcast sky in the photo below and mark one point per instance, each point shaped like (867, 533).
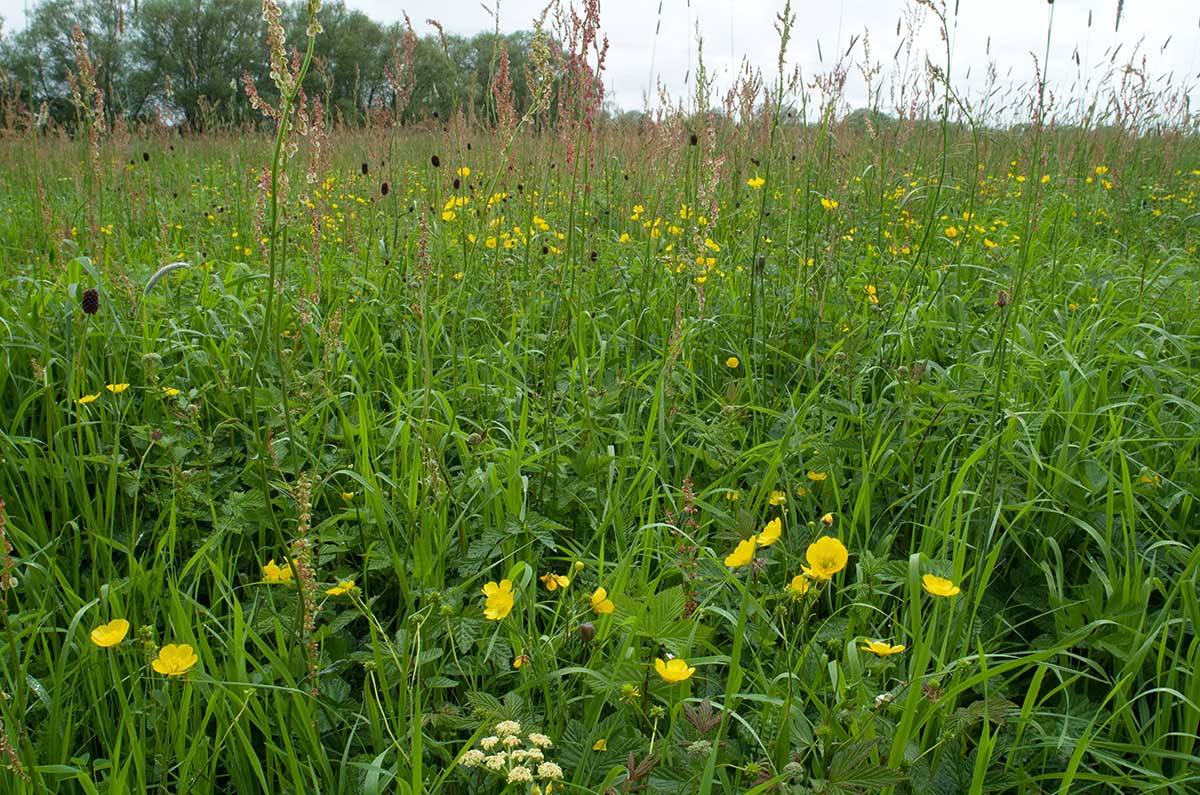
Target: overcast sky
(655, 39)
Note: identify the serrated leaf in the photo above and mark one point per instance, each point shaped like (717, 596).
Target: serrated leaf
(851, 771)
(465, 632)
(439, 682)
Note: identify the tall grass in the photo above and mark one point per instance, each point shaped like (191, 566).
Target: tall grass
(963, 351)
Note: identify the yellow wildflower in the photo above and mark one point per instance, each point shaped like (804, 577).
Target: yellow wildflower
(601, 604)
(108, 635)
(674, 670)
(742, 554)
(499, 599)
(939, 586)
(343, 587)
(275, 573)
(554, 581)
(770, 534)
(86, 399)
(881, 648)
(799, 586)
(756, 182)
(174, 660)
(826, 557)
(117, 389)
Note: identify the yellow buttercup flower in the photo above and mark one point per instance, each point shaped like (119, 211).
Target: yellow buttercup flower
(674, 670)
(826, 557)
(117, 389)
(827, 520)
(601, 604)
(347, 495)
(108, 635)
(174, 660)
(799, 586)
(464, 172)
(732, 362)
(170, 391)
(554, 581)
(770, 534)
(276, 573)
(939, 586)
(756, 182)
(742, 554)
(520, 659)
(86, 399)
(499, 599)
(600, 745)
(343, 587)
(816, 477)
(778, 498)
(881, 648)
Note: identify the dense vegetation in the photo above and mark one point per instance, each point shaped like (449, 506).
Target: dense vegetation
(185, 61)
(773, 450)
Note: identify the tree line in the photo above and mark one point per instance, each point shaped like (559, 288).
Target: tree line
(185, 61)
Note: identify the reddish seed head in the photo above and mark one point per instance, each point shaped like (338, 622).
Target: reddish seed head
(90, 301)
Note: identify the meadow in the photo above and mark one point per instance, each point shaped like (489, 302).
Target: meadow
(776, 450)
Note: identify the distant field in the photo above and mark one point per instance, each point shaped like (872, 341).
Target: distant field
(719, 412)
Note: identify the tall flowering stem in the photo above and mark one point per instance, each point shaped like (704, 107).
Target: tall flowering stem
(288, 79)
(289, 83)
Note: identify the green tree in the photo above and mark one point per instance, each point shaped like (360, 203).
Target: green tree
(42, 56)
(348, 58)
(200, 49)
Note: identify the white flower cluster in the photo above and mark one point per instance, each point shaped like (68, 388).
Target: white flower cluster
(507, 728)
(518, 760)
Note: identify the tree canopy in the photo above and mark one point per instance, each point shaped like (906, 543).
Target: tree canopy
(184, 61)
